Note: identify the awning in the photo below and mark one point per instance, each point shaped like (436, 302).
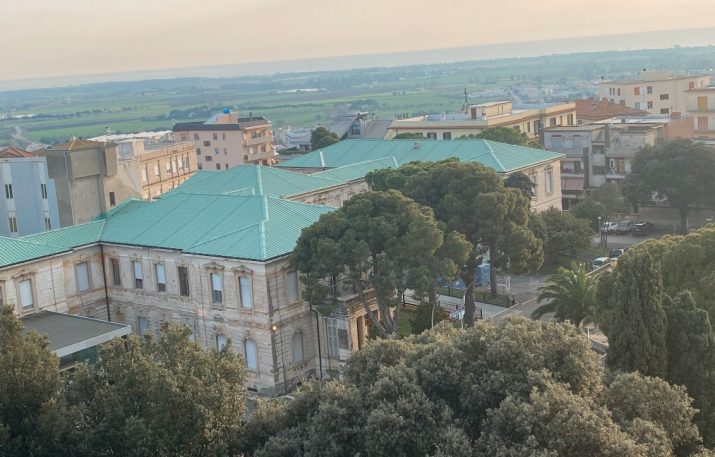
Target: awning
(71, 334)
(571, 184)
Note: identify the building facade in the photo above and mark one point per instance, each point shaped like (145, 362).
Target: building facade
(529, 119)
(226, 140)
(162, 165)
(657, 91)
(602, 151)
(701, 109)
(28, 200)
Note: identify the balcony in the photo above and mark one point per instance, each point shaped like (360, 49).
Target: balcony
(571, 172)
(250, 141)
(259, 156)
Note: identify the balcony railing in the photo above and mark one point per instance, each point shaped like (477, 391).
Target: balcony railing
(253, 141)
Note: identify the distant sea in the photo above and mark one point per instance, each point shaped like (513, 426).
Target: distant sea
(621, 42)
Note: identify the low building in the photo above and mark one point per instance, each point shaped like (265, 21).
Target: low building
(530, 119)
(591, 110)
(162, 165)
(656, 91)
(226, 140)
(298, 139)
(90, 179)
(701, 109)
(355, 158)
(602, 151)
(359, 124)
(28, 200)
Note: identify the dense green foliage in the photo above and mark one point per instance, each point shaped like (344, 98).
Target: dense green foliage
(501, 135)
(569, 294)
(610, 199)
(321, 138)
(378, 240)
(680, 170)
(589, 210)
(409, 136)
(471, 199)
(522, 182)
(521, 388)
(566, 235)
(154, 396)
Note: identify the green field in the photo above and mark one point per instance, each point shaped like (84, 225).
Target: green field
(88, 110)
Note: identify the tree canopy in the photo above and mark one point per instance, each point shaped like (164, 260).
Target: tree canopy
(409, 136)
(680, 170)
(500, 134)
(566, 235)
(520, 388)
(321, 137)
(472, 200)
(569, 294)
(378, 240)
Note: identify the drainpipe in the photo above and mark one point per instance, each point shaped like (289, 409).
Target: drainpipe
(104, 276)
(317, 328)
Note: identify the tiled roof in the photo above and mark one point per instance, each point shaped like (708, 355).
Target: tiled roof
(69, 237)
(504, 158)
(77, 145)
(14, 250)
(603, 109)
(15, 153)
(358, 170)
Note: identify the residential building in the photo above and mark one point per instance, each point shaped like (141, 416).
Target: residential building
(213, 254)
(297, 139)
(592, 110)
(656, 91)
(162, 165)
(359, 124)
(90, 179)
(701, 109)
(530, 119)
(227, 140)
(362, 156)
(603, 151)
(28, 201)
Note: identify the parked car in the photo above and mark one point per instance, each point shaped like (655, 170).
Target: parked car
(644, 228)
(599, 262)
(615, 253)
(608, 226)
(623, 228)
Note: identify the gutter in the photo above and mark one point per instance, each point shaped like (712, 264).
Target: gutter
(317, 328)
(104, 276)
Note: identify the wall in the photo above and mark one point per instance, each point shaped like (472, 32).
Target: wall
(27, 205)
(176, 163)
(233, 147)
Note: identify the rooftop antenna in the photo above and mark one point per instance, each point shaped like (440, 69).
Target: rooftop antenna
(466, 100)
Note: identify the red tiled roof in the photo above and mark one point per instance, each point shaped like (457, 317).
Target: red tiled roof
(14, 153)
(603, 109)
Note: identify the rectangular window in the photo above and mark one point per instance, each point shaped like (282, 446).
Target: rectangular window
(215, 135)
(552, 122)
(431, 136)
(598, 170)
(619, 91)
(664, 96)
(145, 174)
(217, 151)
(207, 143)
(112, 199)
(143, 325)
(665, 111)
(196, 136)
(183, 281)
(549, 174)
(292, 287)
(223, 135)
(48, 224)
(246, 292)
(26, 297)
(218, 166)
(12, 222)
(81, 270)
(156, 169)
(208, 158)
(8, 191)
(569, 119)
(649, 89)
(332, 337)
(447, 135)
(577, 141)
(650, 105)
(43, 191)
(636, 91)
(216, 289)
(138, 275)
(198, 151)
(160, 277)
(556, 141)
(168, 166)
(116, 273)
(225, 151)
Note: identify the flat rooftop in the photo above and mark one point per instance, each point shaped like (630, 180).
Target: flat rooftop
(69, 334)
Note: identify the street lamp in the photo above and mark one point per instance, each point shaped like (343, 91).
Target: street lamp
(600, 233)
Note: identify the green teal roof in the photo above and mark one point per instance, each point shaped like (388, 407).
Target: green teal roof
(255, 180)
(14, 250)
(69, 237)
(504, 158)
(358, 170)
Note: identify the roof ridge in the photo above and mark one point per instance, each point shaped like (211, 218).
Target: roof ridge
(259, 179)
(494, 156)
(223, 235)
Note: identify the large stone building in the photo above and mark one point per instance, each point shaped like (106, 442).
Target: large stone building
(227, 140)
(211, 254)
(361, 156)
(657, 91)
(28, 202)
(602, 151)
(529, 119)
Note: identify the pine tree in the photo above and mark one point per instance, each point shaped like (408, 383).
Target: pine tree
(638, 330)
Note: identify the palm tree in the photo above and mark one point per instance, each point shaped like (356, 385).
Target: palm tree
(570, 295)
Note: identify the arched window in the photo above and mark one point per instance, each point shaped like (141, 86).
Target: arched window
(297, 347)
(251, 356)
(220, 341)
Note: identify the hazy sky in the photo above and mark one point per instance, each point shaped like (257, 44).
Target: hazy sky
(69, 37)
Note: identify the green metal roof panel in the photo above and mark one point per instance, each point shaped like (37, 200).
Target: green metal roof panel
(255, 180)
(17, 250)
(503, 158)
(357, 171)
(70, 237)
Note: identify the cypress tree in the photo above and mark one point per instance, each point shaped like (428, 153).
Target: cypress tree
(638, 330)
